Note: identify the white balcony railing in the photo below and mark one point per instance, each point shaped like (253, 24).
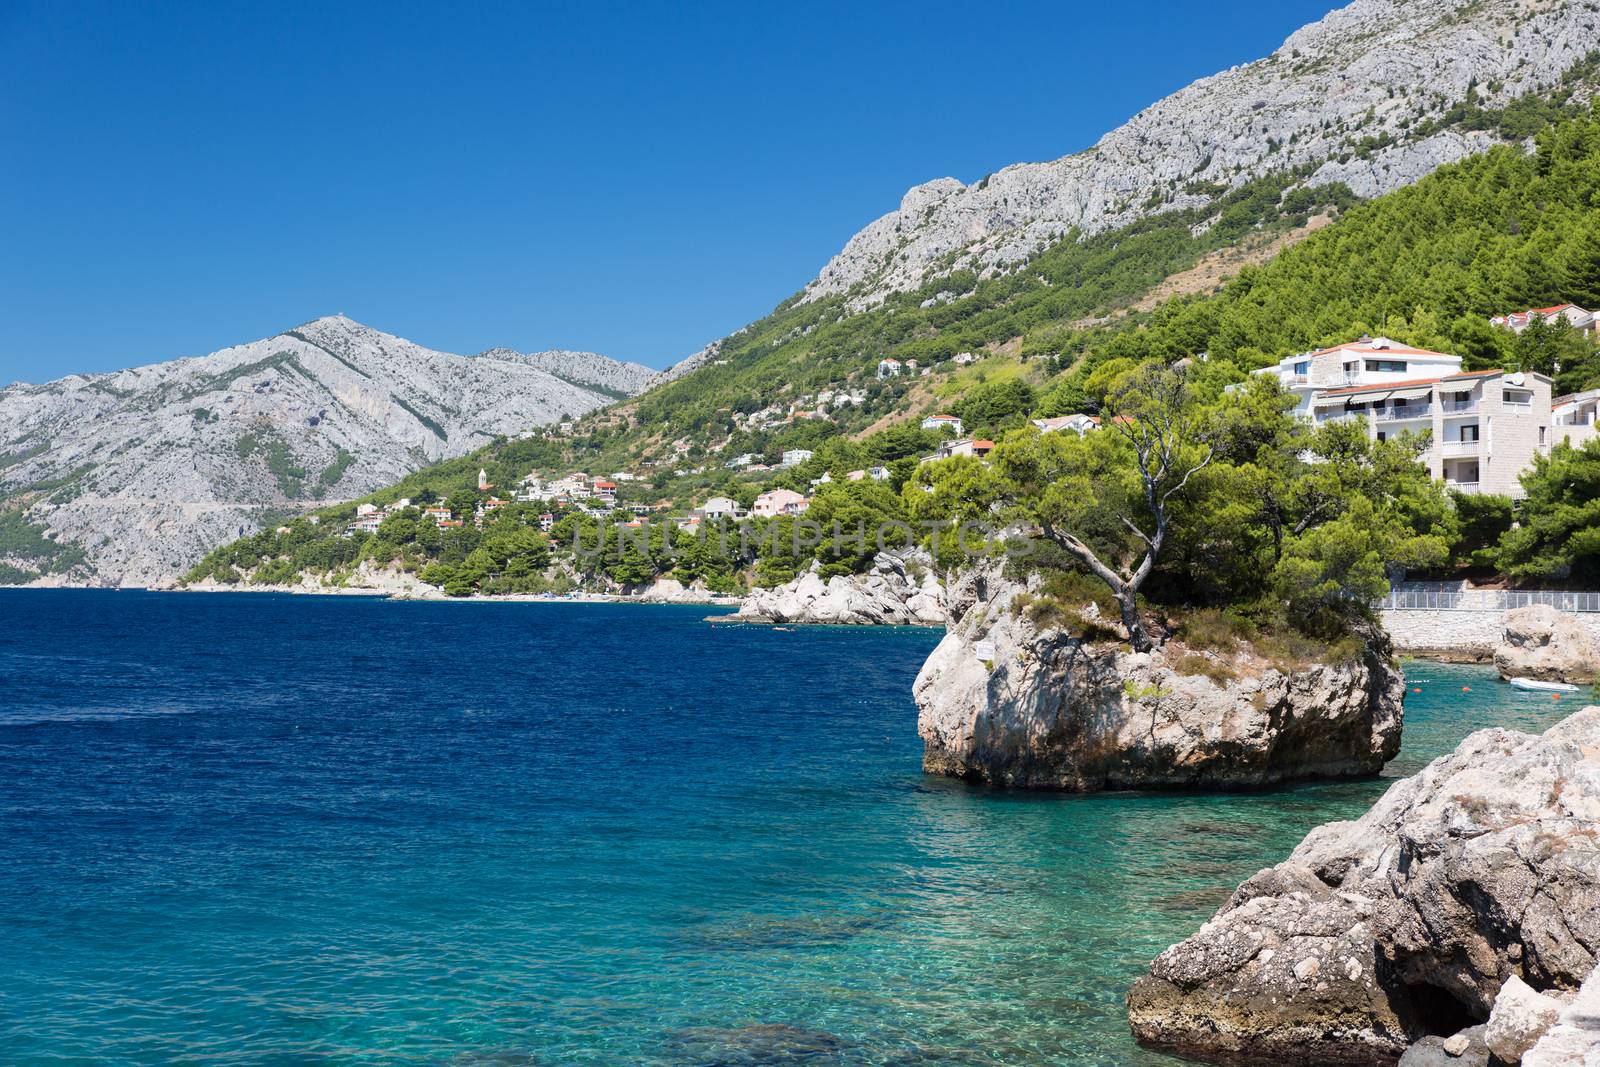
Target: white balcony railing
(1411, 411)
(1463, 487)
(1340, 416)
(1457, 407)
(1460, 448)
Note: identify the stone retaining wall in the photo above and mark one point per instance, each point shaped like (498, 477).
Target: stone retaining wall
(1469, 631)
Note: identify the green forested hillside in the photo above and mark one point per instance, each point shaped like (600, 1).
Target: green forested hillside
(1428, 264)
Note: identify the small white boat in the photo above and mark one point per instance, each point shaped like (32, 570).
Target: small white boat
(1543, 687)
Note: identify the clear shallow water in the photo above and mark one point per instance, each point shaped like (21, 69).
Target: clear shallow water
(273, 830)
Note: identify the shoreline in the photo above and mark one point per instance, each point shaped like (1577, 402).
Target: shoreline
(376, 593)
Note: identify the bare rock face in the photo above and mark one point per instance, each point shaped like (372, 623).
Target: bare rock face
(1377, 69)
(896, 592)
(1006, 702)
(1541, 642)
(1407, 922)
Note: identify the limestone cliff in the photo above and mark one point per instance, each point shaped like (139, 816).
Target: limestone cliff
(1006, 700)
(1354, 97)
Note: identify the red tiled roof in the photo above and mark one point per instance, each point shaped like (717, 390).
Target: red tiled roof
(980, 443)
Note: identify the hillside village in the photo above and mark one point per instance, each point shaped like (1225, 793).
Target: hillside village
(1476, 432)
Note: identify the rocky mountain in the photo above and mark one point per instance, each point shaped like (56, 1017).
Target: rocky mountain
(587, 370)
(145, 470)
(1363, 96)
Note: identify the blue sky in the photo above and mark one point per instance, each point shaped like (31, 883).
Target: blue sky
(636, 180)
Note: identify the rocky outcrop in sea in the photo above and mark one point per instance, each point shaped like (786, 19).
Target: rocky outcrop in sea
(1469, 893)
(1009, 701)
(1541, 642)
(895, 591)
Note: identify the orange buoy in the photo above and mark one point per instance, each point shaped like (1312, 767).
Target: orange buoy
(1555, 696)
(1418, 690)
(1466, 689)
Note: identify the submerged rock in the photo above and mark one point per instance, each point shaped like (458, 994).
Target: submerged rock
(1407, 922)
(1541, 642)
(896, 591)
(1009, 702)
(752, 1046)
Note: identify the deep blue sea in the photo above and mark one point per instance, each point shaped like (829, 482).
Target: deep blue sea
(279, 830)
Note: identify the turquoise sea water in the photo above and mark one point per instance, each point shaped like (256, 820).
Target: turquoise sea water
(273, 830)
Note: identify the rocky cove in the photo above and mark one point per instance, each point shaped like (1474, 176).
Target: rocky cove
(1457, 921)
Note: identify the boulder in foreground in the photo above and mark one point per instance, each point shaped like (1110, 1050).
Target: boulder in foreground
(1541, 642)
(1408, 922)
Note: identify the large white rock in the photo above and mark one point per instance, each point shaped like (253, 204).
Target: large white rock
(1519, 1018)
(1574, 1041)
(1541, 642)
(896, 591)
(1005, 701)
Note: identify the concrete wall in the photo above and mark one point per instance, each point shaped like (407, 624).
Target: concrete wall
(1470, 631)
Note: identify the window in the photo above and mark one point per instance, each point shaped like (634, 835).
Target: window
(1387, 366)
(1522, 397)
(1303, 367)
(1382, 436)
(1541, 436)
(1469, 432)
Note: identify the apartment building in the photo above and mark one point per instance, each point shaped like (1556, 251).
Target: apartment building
(1484, 427)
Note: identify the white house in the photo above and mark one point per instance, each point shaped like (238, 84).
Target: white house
(1573, 418)
(963, 359)
(722, 507)
(1571, 314)
(1371, 361)
(1078, 424)
(743, 459)
(943, 422)
(889, 368)
(796, 456)
(878, 474)
(779, 502)
(363, 510)
(969, 447)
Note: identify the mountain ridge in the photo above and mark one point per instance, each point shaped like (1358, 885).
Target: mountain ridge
(145, 469)
(1352, 93)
